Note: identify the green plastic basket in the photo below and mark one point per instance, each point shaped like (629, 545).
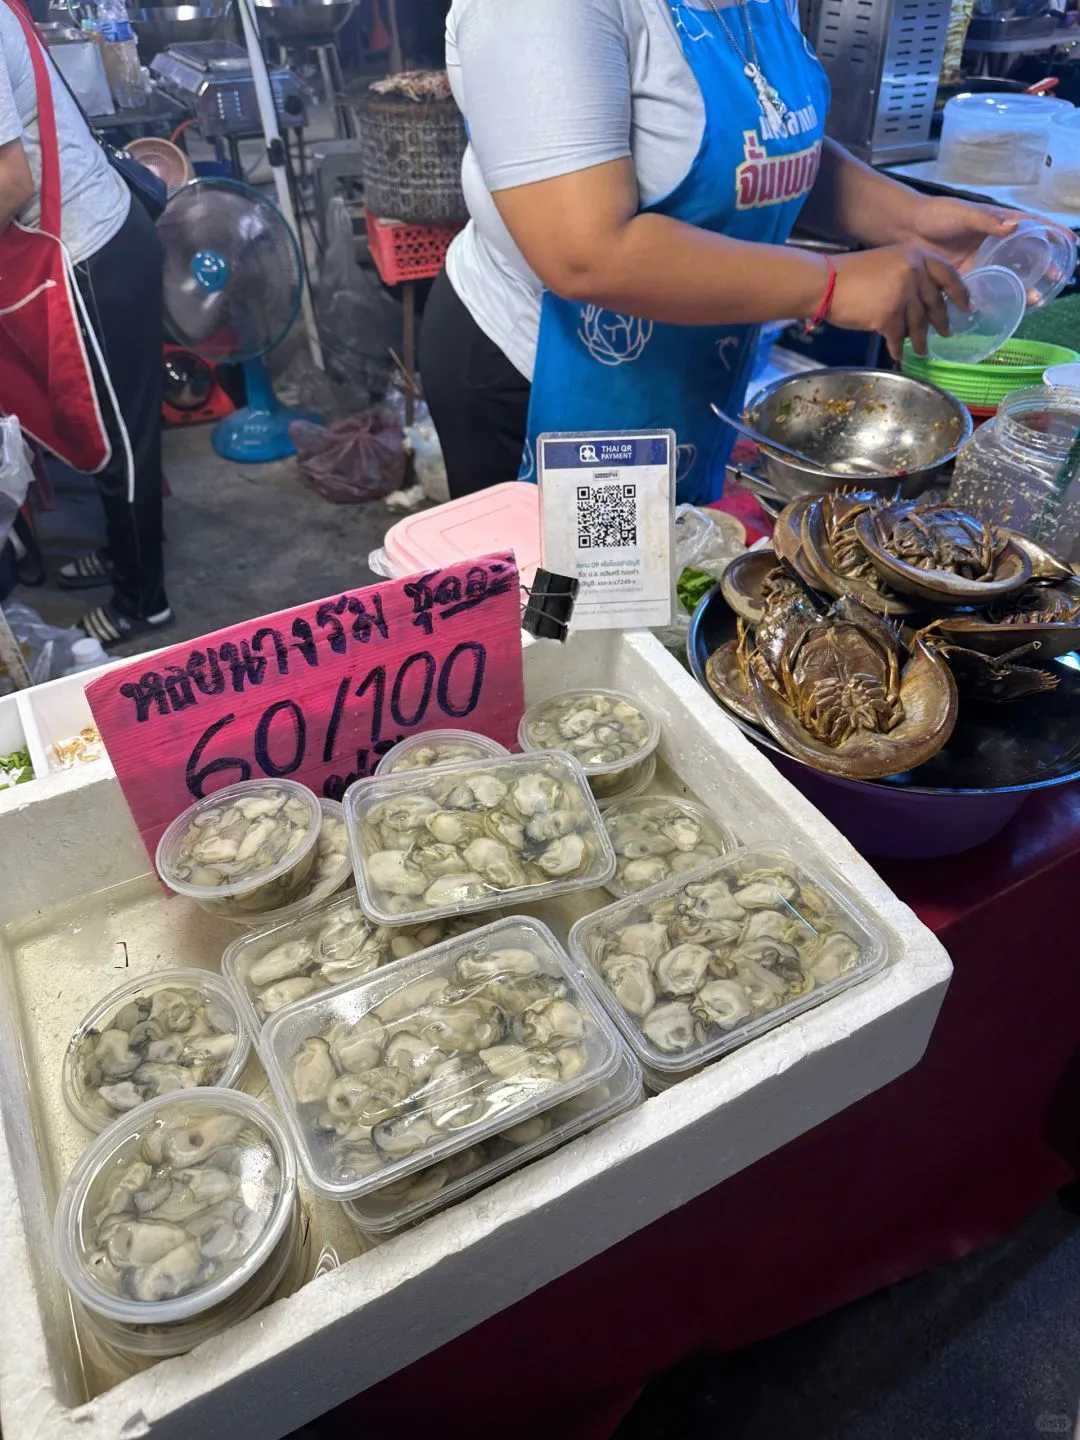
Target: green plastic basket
(1018, 364)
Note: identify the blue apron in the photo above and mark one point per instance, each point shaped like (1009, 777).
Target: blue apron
(597, 370)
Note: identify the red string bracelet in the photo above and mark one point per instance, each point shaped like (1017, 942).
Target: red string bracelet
(821, 314)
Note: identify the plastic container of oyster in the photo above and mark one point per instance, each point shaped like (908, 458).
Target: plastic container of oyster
(536, 714)
(362, 797)
(395, 760)
(379, 1214)
(386, 1308)
(852, 919)
(325, 890)
(285, 1032)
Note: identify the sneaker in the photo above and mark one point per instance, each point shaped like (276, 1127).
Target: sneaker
(113, 627)
(86, 572)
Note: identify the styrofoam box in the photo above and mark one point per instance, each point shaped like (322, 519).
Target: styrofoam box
(385, 1308)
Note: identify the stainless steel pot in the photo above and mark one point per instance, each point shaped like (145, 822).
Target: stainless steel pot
(871, 428)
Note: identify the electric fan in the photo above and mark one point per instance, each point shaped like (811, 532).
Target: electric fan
(233, 283)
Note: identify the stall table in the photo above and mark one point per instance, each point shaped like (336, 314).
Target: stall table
(949, 1157)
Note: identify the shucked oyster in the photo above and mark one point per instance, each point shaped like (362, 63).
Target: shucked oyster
(468, 834)
(224, 846)
(407, 1062)
(716, 951)
(183, 1200)
(610, 734)
(174, 1031)
(439, 747)
(656, 837)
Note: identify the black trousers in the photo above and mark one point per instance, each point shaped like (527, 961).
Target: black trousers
(122, 287)
(478, 400)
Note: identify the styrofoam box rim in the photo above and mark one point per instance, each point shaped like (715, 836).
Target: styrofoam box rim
(380, 1312)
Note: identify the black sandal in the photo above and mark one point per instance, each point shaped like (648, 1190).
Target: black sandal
(86, 572)
(113, 627)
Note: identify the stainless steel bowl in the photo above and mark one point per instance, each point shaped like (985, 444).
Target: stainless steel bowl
(159, 26)
(870, 428)
(304, 22)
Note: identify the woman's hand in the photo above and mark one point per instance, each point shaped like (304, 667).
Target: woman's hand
(897, 290)
(955, 229)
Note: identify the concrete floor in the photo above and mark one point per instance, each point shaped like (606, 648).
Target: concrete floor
(240, 541)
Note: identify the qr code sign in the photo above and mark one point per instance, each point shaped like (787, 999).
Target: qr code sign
(606, 516)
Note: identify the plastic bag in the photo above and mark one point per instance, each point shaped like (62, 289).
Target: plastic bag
(359, 323)
(360, 458)
(422, 443)
(15, 473)
(706, 541)
(47, 649)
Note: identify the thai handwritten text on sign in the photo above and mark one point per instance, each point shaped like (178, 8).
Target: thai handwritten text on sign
(317, 693)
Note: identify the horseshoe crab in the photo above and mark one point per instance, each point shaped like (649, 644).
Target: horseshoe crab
(940, 555)
(833, 550)
(1041, 620)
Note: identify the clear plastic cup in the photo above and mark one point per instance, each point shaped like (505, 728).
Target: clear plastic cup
(239, 885)
(1041, 255)
(175, 1207)
(168, 1031)
(998, 302)
(270, 969)
(694, 968)
(330, 873)
(475, 836)
(395, 1206)
(659, 837)
(438, 747)
(610, 734)
(415, 1063)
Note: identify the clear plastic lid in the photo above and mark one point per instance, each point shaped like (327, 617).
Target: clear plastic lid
(997, 307)
(438, 747)
(658, 838)
(989, 112)
(474, 836)
(604, 730)
(415, 1063)
(404, 1202)
(1042, 256)
(247, 848)
(331, 870)
(270, 969)
(697, 967)
(174, 1207)
(172, 1030)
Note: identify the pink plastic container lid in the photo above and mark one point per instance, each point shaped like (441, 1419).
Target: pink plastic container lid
(499, 518)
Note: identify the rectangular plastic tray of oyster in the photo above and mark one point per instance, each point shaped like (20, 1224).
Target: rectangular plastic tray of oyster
(415, 1063)
(693, 968)
(474, 836)
(404, 1202)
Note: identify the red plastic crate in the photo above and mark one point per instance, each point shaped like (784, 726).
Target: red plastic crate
(408, 252)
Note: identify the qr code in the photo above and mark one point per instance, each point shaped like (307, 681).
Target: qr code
(606, 516)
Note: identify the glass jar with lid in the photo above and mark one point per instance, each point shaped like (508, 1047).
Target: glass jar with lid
(1022, 468)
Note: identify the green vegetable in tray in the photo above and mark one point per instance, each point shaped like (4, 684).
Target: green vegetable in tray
(15, 769)
(692, 586)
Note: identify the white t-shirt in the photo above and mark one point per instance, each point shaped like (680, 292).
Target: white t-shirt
(549, 87)
(94, 201)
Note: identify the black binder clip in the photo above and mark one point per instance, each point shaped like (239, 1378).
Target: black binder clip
(550, 607)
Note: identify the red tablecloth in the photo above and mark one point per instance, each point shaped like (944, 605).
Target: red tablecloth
(949, 1157)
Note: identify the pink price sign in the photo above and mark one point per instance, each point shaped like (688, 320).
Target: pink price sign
(317, 693)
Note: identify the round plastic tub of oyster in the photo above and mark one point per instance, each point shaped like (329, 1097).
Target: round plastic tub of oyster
(695, 967)
(404, 1202)
(474, 836)
(438, 747)
(173, 1030)
(658, 838)
(244, 850)
(331, 871)
(415, 1063)
(611, 735)
(175, 1207)
(270, 969)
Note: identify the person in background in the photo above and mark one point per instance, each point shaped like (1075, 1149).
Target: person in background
(118, 267)
(635, 168)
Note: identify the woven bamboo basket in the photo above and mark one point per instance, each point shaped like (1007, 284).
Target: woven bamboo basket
(411, 153)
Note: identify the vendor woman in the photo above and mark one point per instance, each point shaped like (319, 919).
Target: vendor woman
(634, 170)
